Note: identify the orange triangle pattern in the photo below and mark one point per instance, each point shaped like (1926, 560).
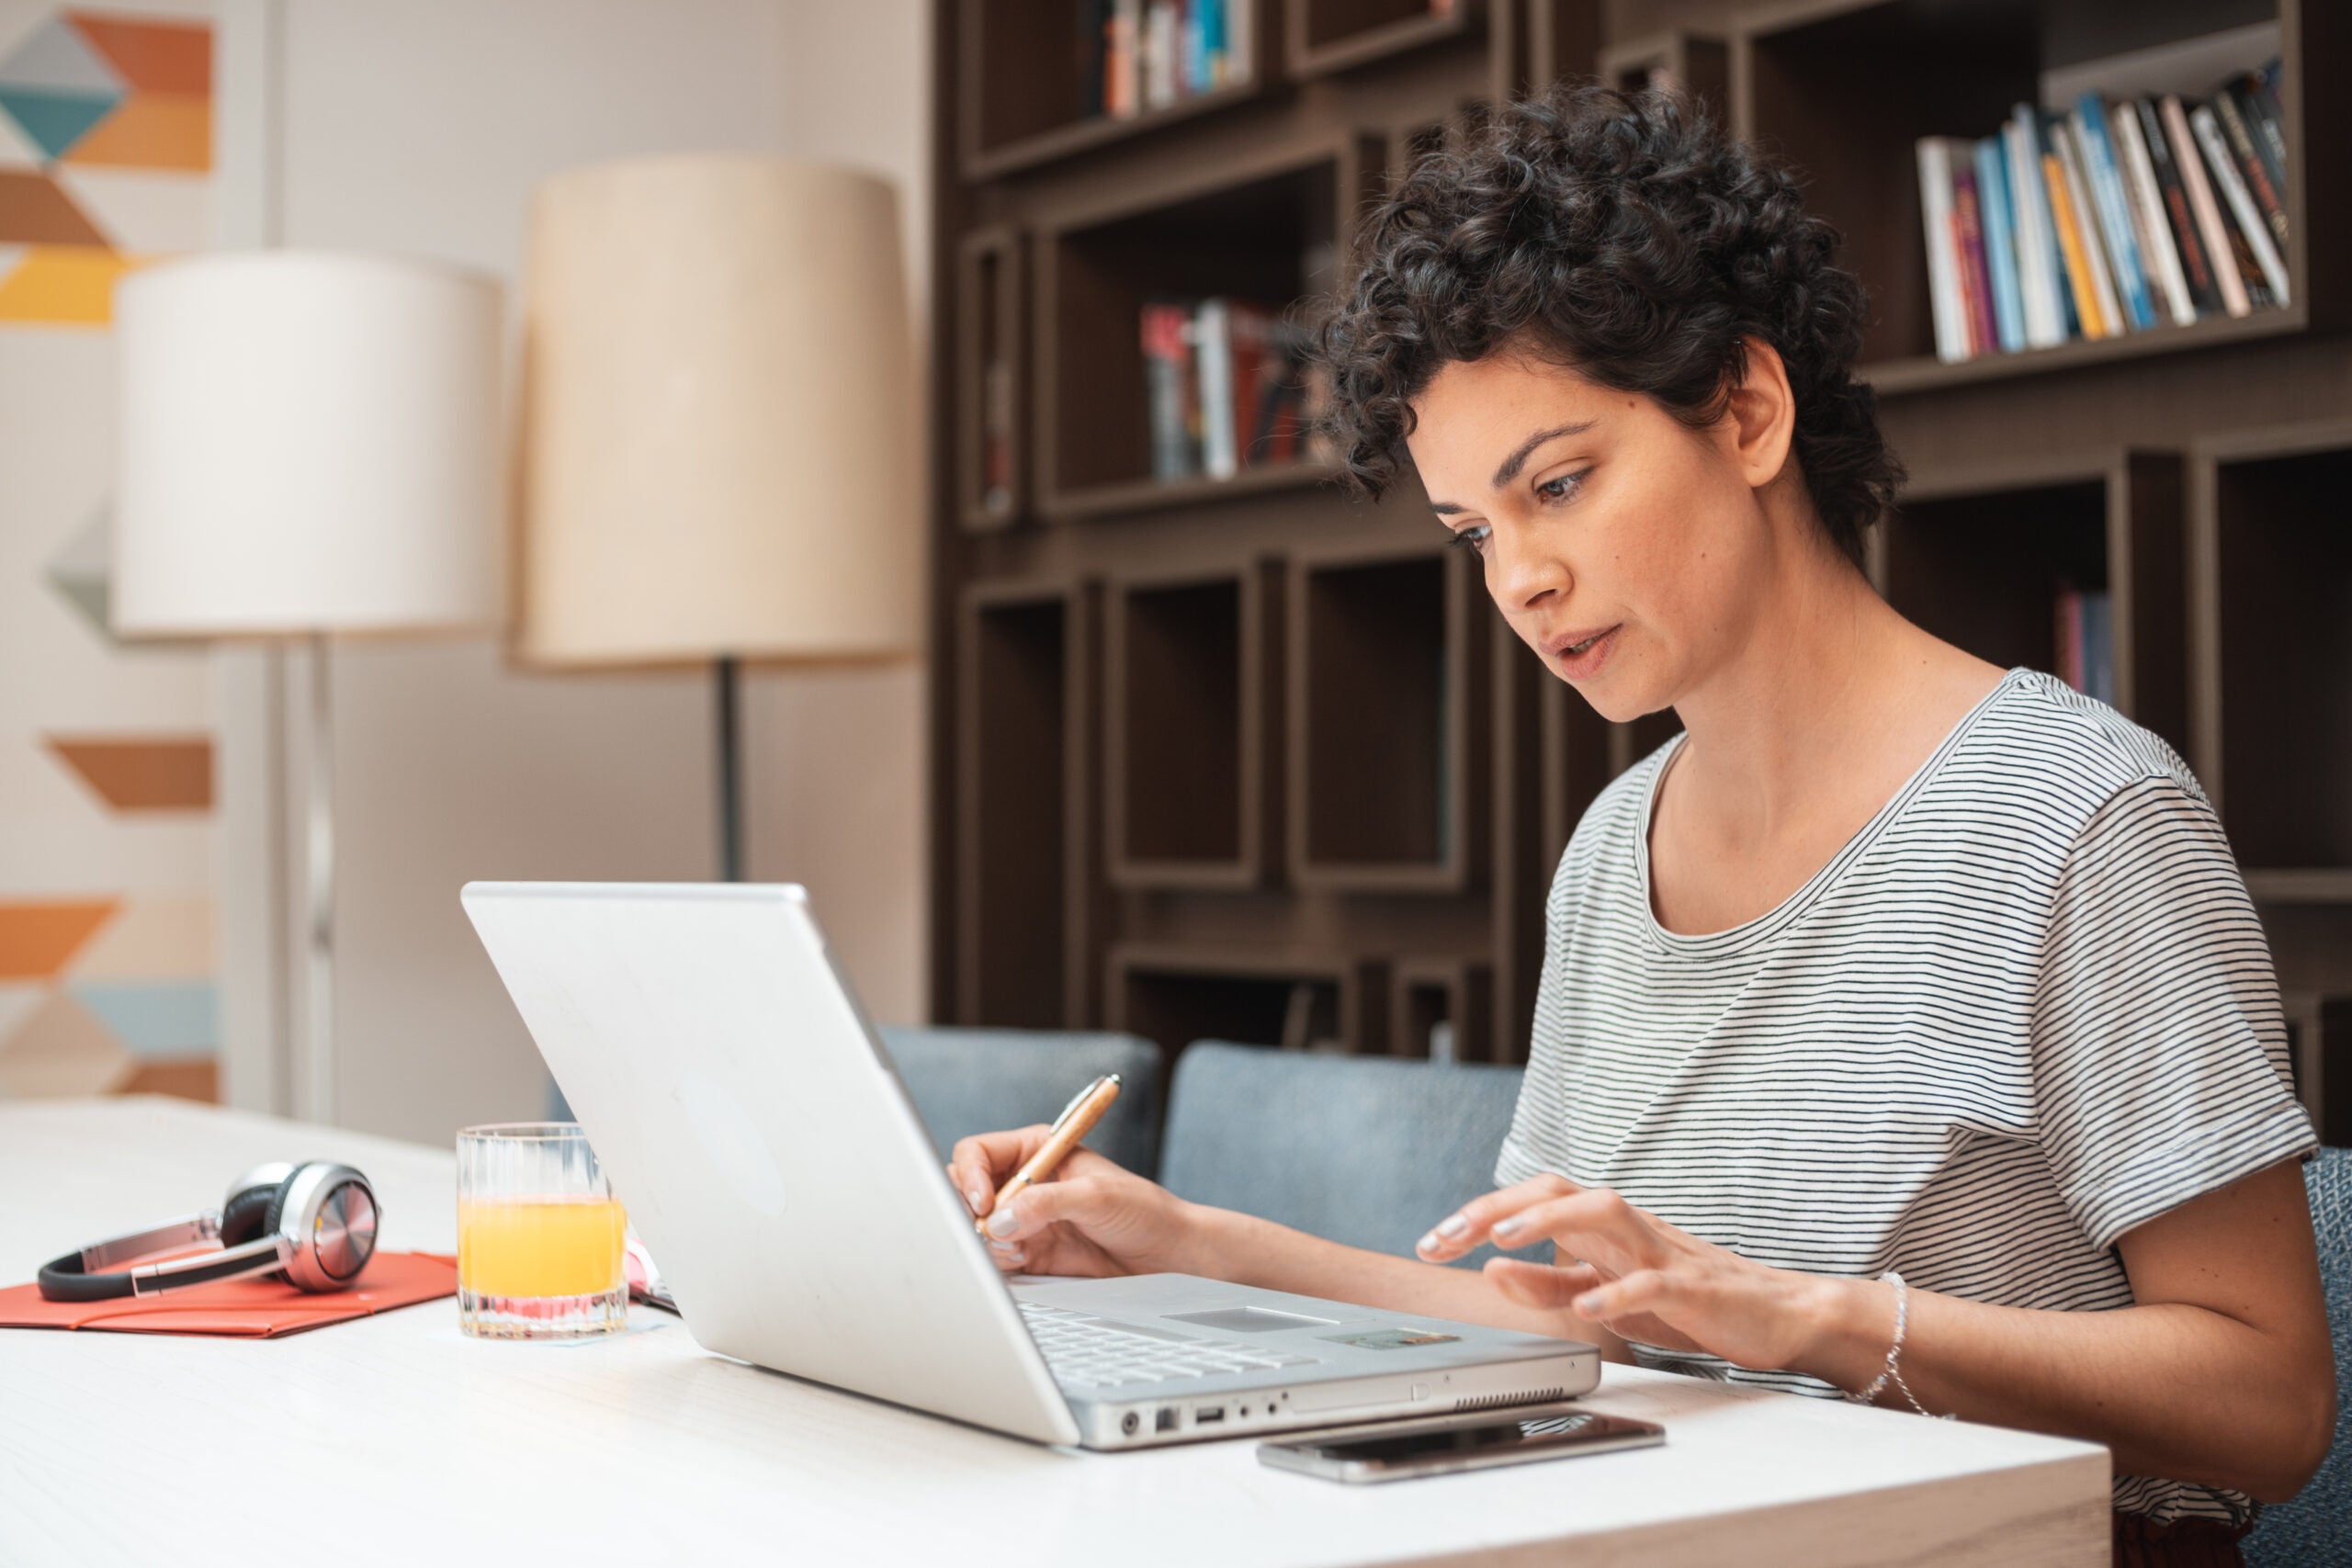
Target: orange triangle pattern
(150, 131)
(151, 57)
(143, 775)
(37, 940)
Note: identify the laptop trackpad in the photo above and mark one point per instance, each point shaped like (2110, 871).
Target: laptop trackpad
(1249, 1320)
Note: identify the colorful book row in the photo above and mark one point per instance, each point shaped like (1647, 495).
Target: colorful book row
(1229, 387)
(2113, 217)
(1136, 55)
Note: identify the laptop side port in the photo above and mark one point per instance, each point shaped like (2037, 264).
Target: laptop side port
(1209, 1414)
(1166, 1420)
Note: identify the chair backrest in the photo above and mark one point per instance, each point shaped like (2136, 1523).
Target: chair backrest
(984, 1080)
(1365, 1150)
(2316, 1529)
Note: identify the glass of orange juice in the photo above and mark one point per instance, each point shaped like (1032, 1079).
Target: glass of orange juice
(539, 1234)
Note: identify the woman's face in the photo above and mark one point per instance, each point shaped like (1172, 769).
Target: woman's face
(1625, 547)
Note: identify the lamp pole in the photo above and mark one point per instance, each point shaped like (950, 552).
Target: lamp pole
(730, 773)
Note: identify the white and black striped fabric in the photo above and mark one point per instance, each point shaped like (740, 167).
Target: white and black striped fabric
(2025, 1009)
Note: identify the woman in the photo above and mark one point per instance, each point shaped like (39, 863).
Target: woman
(1893, 964)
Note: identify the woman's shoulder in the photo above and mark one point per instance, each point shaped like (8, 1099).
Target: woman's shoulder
(2041, 737)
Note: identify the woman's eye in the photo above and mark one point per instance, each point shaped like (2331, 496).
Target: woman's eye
(1559, 489)
(1472, 539)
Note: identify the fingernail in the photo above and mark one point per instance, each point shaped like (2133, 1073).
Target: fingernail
(1591, 1303)
(1004, 1221)
(1508, 1226)
(1429, 1242)
(1005, 1248)
(1454, 1225)
(975, 1197)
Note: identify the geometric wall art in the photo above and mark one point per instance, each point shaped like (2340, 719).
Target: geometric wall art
(109, 979)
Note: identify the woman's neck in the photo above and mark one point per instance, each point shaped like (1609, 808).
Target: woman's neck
(1831, 694)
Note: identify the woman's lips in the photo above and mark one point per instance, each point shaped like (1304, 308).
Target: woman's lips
(1582, 661)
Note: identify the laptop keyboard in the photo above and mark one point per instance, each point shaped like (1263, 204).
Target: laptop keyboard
(1094, 1352)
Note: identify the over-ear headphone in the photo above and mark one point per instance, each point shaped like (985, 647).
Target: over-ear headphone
(314, 1222)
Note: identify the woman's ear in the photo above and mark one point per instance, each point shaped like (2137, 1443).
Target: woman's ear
(1760, 415)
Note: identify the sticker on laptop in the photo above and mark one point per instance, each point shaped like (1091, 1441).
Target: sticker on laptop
(1389, 1338)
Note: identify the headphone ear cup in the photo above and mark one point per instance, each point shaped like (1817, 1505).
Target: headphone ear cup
(249, 1213)
(275, 1214)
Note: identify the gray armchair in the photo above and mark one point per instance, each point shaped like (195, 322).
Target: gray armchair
(983, 1080)
(2316, 1529)
(1367, 1150)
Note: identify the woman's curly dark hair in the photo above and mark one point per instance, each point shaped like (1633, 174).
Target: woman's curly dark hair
(1627, 236)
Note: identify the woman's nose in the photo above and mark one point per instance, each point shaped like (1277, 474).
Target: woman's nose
(1522, 573)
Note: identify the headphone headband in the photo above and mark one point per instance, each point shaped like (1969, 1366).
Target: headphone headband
(319, 1228)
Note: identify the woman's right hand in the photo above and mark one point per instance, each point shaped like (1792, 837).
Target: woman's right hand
(1091, 1217)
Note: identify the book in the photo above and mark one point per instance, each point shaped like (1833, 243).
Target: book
(1122, 84)
(2188, 241)
(2207, 212)
(1231, 341)
(1968, 238)
(2253, 231)
(2105, 183)
(2078, 192)
(2260, 99)
(2079, 287)
(1945, 297)
(2167, 282)
(2097, 640)
(2000, 242)
(2252, 151)
(1171, 396)
(2040, 269)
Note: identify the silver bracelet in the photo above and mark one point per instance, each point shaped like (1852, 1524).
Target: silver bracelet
(1892, 1370)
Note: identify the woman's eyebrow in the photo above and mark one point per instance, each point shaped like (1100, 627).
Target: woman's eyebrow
(1518, 459)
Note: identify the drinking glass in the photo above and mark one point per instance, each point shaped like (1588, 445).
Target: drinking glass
(539, 1234)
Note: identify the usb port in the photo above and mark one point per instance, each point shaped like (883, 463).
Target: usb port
(1207, 1413)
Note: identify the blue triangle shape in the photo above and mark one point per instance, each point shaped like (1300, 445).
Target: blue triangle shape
(54, 121)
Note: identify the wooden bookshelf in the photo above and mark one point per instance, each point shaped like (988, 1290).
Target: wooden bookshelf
(1310, 788)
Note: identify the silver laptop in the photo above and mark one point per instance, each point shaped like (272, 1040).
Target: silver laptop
(771, 1160)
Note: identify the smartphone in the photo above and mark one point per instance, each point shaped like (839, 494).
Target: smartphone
(1439, 1445)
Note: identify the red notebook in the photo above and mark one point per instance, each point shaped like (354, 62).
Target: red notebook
(244, 1309)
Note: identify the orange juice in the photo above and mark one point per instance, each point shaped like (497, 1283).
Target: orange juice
(555, 1248)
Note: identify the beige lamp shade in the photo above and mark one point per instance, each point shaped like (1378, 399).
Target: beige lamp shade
(309, 443)
(719, 428)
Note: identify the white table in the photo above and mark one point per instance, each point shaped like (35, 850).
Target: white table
(396, 1440)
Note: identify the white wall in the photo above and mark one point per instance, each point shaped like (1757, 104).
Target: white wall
(420, 126)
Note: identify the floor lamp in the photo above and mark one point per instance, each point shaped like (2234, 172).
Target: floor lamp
(719, 431)
(310, 446)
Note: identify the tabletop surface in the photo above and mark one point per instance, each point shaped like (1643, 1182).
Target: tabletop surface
(396, 1438)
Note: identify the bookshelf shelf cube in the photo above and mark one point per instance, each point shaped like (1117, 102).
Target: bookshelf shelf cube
(1176, 996)
(1023, 663)
(1189, 710)
(992, 381)
(1983, 559)
(1270, 231)
(1321, 37)
(1386, 764)
(1019, 91)
(1457, 993)
(2271, 720)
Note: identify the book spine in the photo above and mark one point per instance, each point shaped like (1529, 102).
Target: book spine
(2251, 228)
(2148, 221)
(1122, 66)
(2106, 185)
(2045, 322)
(2000, 242)
(1967, 220)
(2078, 192)
(2262, 103)
(1943, 266)
(1240, 40)
(2068, 636)
(2097, 641)
(2196, 267)
(2229, 110)
(1167, 370)
(2070, 244)
(1250, 332)
(1214, 57)
(1213, 348)
(2216, 239)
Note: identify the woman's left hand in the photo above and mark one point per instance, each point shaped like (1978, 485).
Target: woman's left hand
(1639, 1276)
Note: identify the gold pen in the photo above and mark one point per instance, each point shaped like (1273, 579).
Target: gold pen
(1069, 1129)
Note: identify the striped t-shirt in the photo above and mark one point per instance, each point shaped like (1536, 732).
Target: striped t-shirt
(2027, 1007)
